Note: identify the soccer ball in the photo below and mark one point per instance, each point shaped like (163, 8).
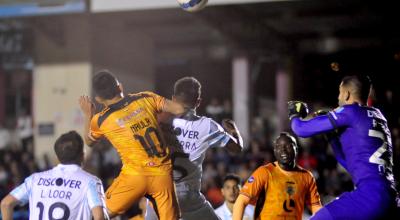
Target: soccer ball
(192, 5)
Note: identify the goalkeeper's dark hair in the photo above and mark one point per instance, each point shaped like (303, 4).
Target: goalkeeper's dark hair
(69, 148)
(361, 85)
(105, 85)
(188, 89)
(233, 177)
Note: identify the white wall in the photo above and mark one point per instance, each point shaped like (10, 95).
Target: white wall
(56, 89)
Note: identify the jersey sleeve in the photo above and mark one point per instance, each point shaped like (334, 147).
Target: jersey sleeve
(156, 101)
(255, 184)
(307, 128)
(22, 192)
(342, 116)
(95, 132)
(218, 136)
(95, 194)
(312, 197)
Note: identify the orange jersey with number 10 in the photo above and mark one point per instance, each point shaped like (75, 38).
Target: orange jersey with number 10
(131, 127)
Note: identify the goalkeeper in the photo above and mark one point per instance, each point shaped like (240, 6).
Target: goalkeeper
(362, 145)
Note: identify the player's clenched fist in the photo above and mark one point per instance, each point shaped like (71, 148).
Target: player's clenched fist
(297, 109)
(229, 125)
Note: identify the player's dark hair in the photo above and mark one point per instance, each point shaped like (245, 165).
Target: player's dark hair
(361, 85)
(288, 136)
(105, 85)
(188, 89)
(69, 148)
(233, 177)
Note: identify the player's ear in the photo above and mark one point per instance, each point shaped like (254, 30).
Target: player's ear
(98, 99)
(347, 95)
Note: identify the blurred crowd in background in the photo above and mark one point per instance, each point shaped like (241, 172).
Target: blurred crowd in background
(17, 158)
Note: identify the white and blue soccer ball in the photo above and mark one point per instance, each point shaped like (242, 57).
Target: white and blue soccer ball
(192, 5)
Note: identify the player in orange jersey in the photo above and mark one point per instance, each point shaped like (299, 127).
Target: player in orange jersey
(129, 123)
(280, 189)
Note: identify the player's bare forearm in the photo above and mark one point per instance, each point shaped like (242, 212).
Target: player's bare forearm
(7, 207)
(239, 206)
(86, 131)
(87, 108)
(98, 213)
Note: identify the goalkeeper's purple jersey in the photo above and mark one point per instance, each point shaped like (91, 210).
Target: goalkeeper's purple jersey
(363, 145)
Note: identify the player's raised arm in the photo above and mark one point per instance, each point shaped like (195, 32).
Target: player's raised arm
(235, 144)
(7, 207)
(87, 108)
(305, 128)
(238, 208)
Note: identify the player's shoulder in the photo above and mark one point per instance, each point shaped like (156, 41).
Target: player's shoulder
(304, 171)
(48, 172)
(347, 110)
(213, 124)
(267, 168)
(88, 176)
(344, 108)
(262, 172)
(37, 175)
(212, 121)
(101, 113)
(143, 94)
(41, 174)
(220, 211)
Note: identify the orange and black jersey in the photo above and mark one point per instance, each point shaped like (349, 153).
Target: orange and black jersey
(280, 194)
(131, 127)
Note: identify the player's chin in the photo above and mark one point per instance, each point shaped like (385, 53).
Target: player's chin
(232, 199)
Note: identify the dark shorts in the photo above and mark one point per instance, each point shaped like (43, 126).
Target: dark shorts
(372, 200)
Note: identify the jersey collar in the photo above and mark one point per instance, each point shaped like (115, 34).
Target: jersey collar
(190, 115)
(227, 209)
(69, 167)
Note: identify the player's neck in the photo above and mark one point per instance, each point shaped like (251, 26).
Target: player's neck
(190, 111)
(190, 115)
(113, 100)
(355, 100)
(287, 167)
(230, 206)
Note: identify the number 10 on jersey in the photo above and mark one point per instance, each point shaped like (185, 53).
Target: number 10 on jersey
(148, 142)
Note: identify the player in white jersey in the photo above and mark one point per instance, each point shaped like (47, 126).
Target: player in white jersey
(65, 192)
(230, 190)
(189, 137)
